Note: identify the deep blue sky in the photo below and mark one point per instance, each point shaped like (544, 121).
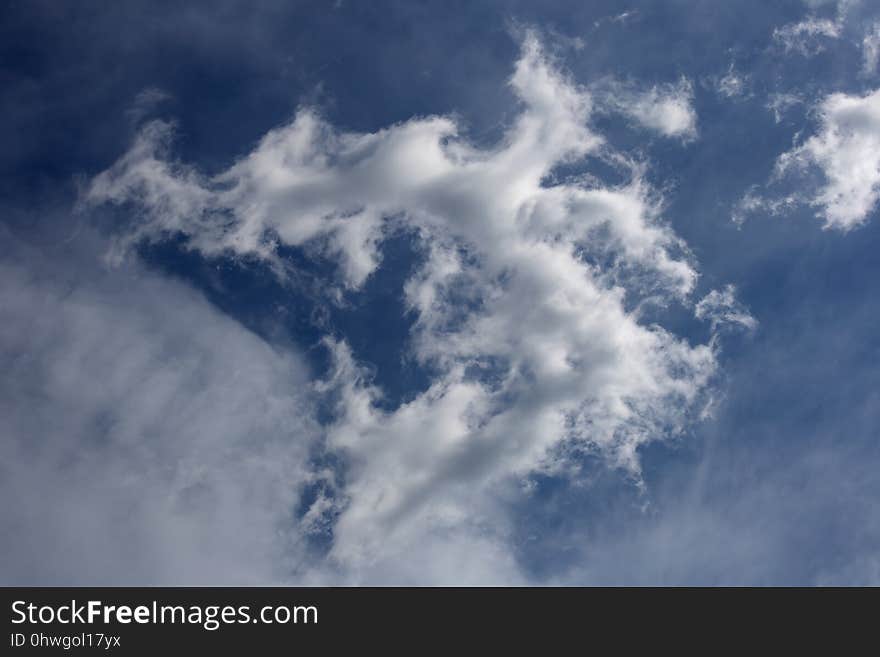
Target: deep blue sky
(779, 487)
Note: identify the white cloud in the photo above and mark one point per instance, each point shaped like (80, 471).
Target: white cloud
(154, 440)
(667, 109)
(732, 84)
(753, 202)
(523, 306)
(808, 37)
(721, 307)
(623, 18)
(846, 149)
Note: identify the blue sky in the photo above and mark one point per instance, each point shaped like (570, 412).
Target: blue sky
(440, 293)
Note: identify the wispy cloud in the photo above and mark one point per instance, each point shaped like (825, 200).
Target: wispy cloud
(522, 305)
(667, 109)
(809, 36)
(871, 49)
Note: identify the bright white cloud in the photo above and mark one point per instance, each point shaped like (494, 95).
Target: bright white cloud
(846, 149)
(524, 305)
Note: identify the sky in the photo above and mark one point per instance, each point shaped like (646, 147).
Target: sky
(440, 293)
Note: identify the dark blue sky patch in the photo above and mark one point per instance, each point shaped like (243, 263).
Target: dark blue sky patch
(373, 320)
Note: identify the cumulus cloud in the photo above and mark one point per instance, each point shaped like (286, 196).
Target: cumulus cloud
(154, 440)
(528, 305)
(846, 149)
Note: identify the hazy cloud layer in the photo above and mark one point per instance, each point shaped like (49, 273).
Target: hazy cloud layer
(146, 437)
